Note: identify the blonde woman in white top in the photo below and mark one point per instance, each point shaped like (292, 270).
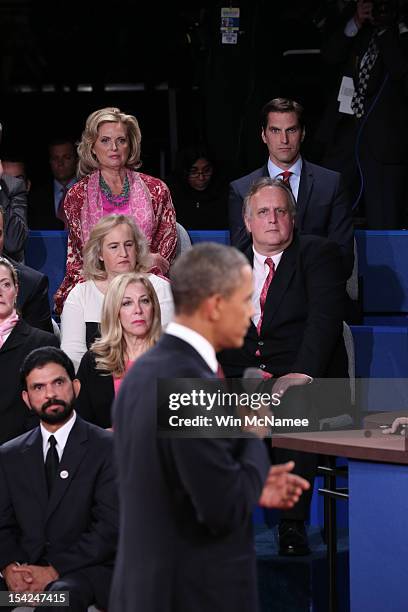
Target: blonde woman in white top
(115, 246)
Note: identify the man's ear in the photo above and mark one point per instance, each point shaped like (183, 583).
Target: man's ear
(26, 399)
(77, 386)
(247, 224)
(303, 135)
(263, 136)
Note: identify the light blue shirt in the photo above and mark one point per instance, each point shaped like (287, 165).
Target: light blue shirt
(59, 190)
(294, 181)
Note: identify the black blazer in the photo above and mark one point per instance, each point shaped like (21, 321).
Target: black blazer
(13, 200)
(32, 298)
(302, 326)
(186, 535)
(76, 527)
(41, 208)
(322, 209)
(97, 393)
(15, 417)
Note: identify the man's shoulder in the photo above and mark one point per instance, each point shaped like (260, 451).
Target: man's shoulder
(13, 447)
(28, 274)
(309, 245)
(170, 357)
(320, 171)
(248, 179)
(95, 433)
(12, 184)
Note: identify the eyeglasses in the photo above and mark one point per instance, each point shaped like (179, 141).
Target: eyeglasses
(194, 173)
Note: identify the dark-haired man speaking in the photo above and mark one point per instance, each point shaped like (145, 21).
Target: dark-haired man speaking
(185, 538)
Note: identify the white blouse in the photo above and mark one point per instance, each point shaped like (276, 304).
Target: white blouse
(84, 305)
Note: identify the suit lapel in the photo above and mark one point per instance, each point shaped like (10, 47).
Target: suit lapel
(17, 337)
(305, 189)
(74, 452)
(33, 459)
(280, 282)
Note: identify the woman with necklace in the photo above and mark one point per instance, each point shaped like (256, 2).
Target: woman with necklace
(109, 155)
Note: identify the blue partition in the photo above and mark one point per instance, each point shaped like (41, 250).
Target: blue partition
(221, 236)
(47, 251)
(382, 264)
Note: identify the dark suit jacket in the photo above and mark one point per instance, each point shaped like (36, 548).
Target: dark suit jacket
(97, 393)
(13, 200)
(41, 208)
(32, 298)
(76, 527)
(322, 209)
(186, 537)
(14, 415)
(302, 326)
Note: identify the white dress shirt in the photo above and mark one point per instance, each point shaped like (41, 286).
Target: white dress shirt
(197, 341)
(260, 273)
(61, 436)
(294, 181)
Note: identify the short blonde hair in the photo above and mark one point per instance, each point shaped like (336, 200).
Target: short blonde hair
(94, 267)
(109, 349)
(87, 161)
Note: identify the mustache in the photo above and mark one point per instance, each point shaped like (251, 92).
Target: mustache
(53, 402)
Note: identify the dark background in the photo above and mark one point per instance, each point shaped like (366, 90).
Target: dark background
(175, 76)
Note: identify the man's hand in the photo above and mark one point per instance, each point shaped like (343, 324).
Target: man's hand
(282, 489)
(400, 422)
(36, 577)
(364, 12)
(16, 582)
(283, 383)
(159, 262)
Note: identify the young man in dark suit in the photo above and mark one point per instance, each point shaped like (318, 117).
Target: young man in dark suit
(32, 297)
(322, 205)
(296, 329)
(58, 499)
(185, 537)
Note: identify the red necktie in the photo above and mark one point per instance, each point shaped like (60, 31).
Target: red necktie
(264, 292)
(220, 372)
(286, 177)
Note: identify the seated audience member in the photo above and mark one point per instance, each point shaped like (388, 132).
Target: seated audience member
(296, 332)
(14, 165)
(130, 325)
(17, 339)
(115, 245)
(32, 298)
(58, 497)
(199, 191)
(45, 210)
(109, 159)
(13, 200)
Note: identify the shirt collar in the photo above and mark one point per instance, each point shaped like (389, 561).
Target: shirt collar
(259, 260)
(61, 435)
(197, 341)
(274, 170)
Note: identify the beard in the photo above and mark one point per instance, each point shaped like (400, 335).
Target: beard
(52, 418)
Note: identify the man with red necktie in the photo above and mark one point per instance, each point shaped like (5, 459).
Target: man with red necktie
(295, 334)
(322, 206)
